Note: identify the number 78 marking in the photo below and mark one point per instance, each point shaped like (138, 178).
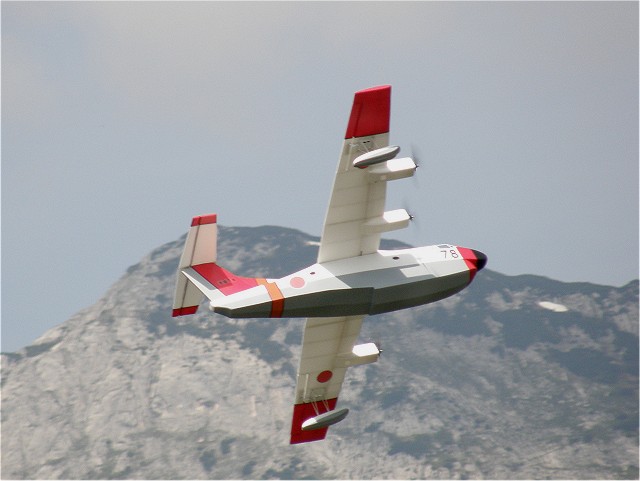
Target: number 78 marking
(451, 252)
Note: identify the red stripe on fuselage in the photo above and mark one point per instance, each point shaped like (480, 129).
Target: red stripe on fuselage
(277, 299)
(304, 411)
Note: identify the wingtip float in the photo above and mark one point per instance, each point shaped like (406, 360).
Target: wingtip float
(325, 420)
(352, 277)
(376, 156)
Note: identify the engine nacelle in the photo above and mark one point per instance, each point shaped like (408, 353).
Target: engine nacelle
(361, 354)
(387, 222)
(393, 169)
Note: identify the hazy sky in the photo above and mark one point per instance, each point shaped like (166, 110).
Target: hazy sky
(121, 121)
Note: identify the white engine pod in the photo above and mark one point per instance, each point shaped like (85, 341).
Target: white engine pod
(392, 169)
(390, 220)
(376, 156)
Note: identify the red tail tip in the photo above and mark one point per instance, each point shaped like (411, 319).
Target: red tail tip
(204, 219)
(184, 311)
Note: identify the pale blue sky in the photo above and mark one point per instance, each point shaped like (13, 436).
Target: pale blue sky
(120, 121)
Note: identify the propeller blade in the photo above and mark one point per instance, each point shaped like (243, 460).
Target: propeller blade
(407, 207)
(415, 219)
(417, 158)
(416, 155)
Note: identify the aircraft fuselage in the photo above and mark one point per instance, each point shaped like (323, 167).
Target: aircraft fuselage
(370, 284)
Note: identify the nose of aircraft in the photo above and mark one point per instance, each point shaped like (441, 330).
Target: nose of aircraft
(475, 260)
(481, 259)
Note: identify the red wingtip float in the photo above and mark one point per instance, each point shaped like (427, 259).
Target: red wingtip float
(352, 277)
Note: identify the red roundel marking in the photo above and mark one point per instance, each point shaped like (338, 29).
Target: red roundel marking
(324, 376)
(297, 282)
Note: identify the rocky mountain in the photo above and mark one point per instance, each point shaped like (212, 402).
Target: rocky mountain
(515, 377)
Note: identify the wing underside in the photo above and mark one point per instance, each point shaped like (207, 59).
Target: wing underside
(353, 224)
(354, 199)
(327, 351)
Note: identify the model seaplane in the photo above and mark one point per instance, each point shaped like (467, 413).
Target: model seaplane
(352, 277)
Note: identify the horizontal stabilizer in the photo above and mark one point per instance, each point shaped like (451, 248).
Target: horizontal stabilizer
(325, 420)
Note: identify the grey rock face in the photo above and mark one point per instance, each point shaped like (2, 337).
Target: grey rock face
(494, 382)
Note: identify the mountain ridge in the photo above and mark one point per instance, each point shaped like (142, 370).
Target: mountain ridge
(486, 384)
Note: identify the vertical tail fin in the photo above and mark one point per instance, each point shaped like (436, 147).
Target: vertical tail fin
(199, 248)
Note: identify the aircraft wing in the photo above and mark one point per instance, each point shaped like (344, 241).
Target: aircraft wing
(356, 217)
(327, 350)
(353, 224)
